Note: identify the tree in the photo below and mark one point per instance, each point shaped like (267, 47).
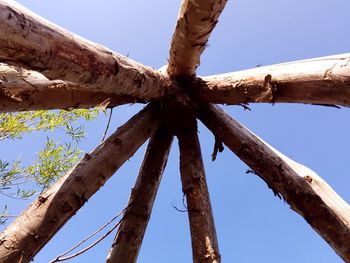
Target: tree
(269, 83)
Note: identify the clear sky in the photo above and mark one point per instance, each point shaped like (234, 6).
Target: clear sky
(252, 225)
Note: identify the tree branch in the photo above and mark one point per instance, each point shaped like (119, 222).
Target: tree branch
(324, 80)
(32, 42)
(195, 22)
(128, 240)
(204, 241)
(22, 90)
(46, 215)
(303, 189)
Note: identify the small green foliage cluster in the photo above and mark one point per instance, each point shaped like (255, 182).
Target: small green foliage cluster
(51, 162)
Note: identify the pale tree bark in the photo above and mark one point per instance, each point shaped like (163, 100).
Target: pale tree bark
(23, 90)
(203, 234)
(306, 192)
(32, 42)
(127, 243)
(324, 80)
(196, 20)
(20, 241)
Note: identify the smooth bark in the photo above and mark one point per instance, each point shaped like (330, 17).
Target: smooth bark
(306, 192)
(34, 43)
(23, 90)
(127, 243)
(20, 241)
(324, 80)
(203, 235)
(196, 20)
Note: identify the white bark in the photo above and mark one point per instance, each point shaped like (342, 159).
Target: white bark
(324, 80)
(196, 20)
(303, 189)
(20, 241)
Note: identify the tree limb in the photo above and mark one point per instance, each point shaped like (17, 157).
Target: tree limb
(32, 42)
(204, 241)
(128, 240)
(46, 215)
(23, 90)
(324, 80)
(195, 22)
(303, 189)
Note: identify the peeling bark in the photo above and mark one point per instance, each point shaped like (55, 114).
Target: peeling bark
(306, 192)
(127, 243)
(324, 80)
(23, 90)
(34, 43)
(204, 241)
(196, 20)
(20, 241)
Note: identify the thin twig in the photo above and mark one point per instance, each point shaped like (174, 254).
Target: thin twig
(61, 258)
(107, 127)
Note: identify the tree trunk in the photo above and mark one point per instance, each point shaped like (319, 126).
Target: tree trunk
(127, 243)
(204, 241)
(45, 216)
(32, 42)
(195, 22)
(23, 90)
(324, 80)
(303, 189)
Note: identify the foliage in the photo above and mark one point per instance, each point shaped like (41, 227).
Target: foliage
(21, 181)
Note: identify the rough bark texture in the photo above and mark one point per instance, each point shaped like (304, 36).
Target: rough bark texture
(127, 243)
(324, 80)
(203, 235)
(45, 216)
(37, 44)
(196, 20)
(23, 90)
(303, 189)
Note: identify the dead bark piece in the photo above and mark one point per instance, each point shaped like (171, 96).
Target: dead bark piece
(22, 240)
(324, 80)
(127, 243)
(32, 42)
(23, 90)
(204, 241)
(309, 195)
(196, 20)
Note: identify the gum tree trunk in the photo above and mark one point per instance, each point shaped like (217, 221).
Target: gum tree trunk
(127, 243)
(324, 80)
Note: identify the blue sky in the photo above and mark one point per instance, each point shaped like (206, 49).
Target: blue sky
(252, 225)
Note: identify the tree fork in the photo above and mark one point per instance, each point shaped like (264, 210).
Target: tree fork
(23, 239)
(203, 234)
(307, 193)
(127, 243)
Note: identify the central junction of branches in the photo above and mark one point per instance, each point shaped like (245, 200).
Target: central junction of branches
(40, 60)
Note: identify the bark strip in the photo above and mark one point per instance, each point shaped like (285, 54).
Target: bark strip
(324, 80)
(204, 241)
(306, 192)
(23, 90)
(196, 20)
(34, 43)
(127, 243)
(22, 240)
